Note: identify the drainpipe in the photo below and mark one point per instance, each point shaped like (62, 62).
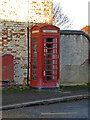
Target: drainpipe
(28, 56)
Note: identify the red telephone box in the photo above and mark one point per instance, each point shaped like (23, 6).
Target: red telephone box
(45, 56)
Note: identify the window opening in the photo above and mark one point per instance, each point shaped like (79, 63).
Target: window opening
(50, 59)
(34, 59)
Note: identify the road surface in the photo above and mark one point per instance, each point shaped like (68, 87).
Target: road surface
(72, 109)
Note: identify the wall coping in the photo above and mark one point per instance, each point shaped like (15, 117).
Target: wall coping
(74, 32)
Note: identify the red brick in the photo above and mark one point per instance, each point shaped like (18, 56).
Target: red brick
(1, 49)
(4, 38)
(9, 40)
(5, 42)
(25, 78)
(22, 30)
(22, 34)
(17, 58)
(9, 49)
(14, 34)
(25, 73)
(4, 33)
(13, 52)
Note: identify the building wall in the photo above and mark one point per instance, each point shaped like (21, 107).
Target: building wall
(14, 41)
(0, 52)
(15, 17)
(73, 59)
(37, 11)
(89, 64)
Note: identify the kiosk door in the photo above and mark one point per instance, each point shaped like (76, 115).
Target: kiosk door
(51, 55)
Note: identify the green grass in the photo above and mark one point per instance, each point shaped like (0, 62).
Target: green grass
(21, 89)
(88, 84)
(37, 90)
(76, 86)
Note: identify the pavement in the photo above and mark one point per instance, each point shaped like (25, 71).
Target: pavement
(19, 99)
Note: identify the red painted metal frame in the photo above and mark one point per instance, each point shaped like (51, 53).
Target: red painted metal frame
(40, 83)
(89, 56)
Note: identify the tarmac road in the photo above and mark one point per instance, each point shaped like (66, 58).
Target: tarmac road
(72, 109)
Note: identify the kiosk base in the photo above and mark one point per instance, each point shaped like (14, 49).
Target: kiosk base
(56, 88)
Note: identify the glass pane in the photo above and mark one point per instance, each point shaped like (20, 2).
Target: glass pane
(34, 50)
(34, 45)
(51, 72)
(54, 61)
(34, 72)
(44, 60)
(50, 45)
(44, 40)
(48, 61)
(51, 61)
(34, 56)
(34, 66)
(54, 78)
(44, 50)
(51, 78)
(54, 45)
(50, 40)
(48, 72)
(50, 67)
(34, 61)
(54, 66)
(44, 45)
(34, 39)
(51, 56)
(54, 72)
(48, 78)
(34, 77)
(51, 50)
(44, 66)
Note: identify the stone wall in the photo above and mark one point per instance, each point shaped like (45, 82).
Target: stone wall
(73, 58)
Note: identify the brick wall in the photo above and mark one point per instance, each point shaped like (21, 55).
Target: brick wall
(0, 52)
(14, 41)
